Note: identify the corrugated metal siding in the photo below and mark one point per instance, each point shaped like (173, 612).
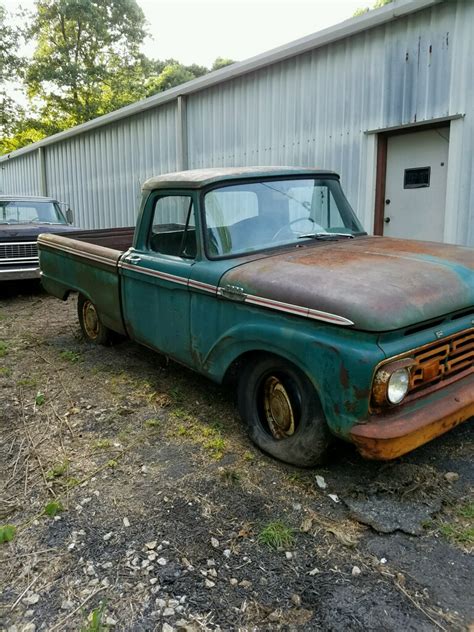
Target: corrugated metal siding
(100, 173)
(311, 110)
(20, 175)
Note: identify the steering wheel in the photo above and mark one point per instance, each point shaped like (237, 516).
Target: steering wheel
(294, 221)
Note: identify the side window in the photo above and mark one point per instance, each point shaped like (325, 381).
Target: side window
(173, 230)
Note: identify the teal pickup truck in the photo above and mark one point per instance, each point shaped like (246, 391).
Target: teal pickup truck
(266, 274)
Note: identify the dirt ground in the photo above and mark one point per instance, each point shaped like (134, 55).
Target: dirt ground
(140, 504)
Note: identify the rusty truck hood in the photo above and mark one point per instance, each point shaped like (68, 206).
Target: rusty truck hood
(378, 283)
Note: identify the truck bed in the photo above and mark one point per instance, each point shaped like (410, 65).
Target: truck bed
(87, 262)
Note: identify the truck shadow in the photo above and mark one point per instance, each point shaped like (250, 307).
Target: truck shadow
(13, 289)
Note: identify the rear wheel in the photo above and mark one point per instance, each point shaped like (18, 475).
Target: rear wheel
(91, 325)
(282, 412)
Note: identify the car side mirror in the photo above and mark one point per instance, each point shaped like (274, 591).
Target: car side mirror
(70, 216)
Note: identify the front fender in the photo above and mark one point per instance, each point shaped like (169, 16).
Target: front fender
(339, 363)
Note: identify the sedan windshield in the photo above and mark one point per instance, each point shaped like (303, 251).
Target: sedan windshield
(256, 215)
(26, 212)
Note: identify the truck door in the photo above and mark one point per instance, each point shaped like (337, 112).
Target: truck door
(155, 272)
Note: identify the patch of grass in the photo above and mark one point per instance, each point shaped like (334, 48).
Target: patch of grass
(276, 535)
(3, 348)
(461, 530)
(5, 371)
(101, 444)
(28, 382)
(70, 356)
(53, 508)
(248, 456)
(7, 533)
(112, 463)
(94, 620)
(71, 482)
(216, 447)
(57, 470)
(152, 423)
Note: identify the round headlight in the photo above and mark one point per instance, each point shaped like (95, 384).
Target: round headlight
(397, 386)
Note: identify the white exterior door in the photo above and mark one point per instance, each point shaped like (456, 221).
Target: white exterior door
(415, 185)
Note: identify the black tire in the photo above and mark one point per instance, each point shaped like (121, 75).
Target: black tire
(92, 328)
(282, 411)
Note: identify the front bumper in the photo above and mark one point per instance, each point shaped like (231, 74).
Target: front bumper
(389, 435)
(19, 274)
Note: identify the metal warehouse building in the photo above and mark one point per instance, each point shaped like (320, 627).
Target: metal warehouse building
(385, 99)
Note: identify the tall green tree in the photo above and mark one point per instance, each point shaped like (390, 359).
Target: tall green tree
(87, 59)
(10, 65)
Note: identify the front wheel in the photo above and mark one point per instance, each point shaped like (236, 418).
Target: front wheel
(91, 325)
(282, 412)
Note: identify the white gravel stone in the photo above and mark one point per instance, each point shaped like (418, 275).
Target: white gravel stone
(233, 581)
(289, 555)
(31, 599)
(152, 556)
(107, 536)
(215, 543)
(167, 628)
(227, 553)
(29, 627)
(356, 571)
(151, 545)
(126, 522)
(66, 605)
(153, 581)
(168, 612)
(209, 584)
(110, 621)
(161, 603)
(161, 561)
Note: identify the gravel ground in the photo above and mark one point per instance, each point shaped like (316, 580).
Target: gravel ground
(140, 504)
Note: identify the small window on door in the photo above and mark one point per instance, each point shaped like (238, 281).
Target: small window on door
(418, 178)
(173, 230)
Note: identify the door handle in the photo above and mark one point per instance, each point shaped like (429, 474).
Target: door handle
(387, 220)
(134, 259)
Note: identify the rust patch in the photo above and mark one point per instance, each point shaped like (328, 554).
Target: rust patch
(344, 377)
(390, 435)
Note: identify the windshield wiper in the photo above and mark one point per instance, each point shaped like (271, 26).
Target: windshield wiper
(325, 236)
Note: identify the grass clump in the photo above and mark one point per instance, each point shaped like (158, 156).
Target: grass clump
(5, 371)
(70, 356)
(53, 508)
(3, 348)
(57, 470)
(152, 423)
(461, 530)
(7, 533)
(276, 535)
(101, 444)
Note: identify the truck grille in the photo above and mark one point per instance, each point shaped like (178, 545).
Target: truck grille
(443, 359)
(14, 252)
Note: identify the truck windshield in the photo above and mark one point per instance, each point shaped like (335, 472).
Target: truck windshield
(26, 212)
(257, 215)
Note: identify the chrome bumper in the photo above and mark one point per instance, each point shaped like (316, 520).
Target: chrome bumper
(19, 274)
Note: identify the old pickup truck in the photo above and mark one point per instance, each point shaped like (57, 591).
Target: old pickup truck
(267, 275)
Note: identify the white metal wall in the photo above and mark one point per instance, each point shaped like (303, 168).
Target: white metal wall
(311, 110)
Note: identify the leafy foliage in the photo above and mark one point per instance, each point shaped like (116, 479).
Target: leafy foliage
(53, 508)
(276, 535)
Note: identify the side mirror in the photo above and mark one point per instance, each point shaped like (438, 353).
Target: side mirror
(70, 216)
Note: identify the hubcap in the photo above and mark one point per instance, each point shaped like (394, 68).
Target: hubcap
(91, 320)
(278, 409)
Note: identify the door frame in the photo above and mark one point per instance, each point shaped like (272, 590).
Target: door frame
(381, 159)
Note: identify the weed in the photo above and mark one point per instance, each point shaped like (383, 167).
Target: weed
(40, 399)
(248, 456)
(230, 476)
(152, 423)
(276, 535)
(53, 508)
(57, 470)
(112, 463)
(182, 431)
(101, 444)
(71, 482)
(70, 356)
(3, 348)
(7, 533)
(94, 620)
(5, 371)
